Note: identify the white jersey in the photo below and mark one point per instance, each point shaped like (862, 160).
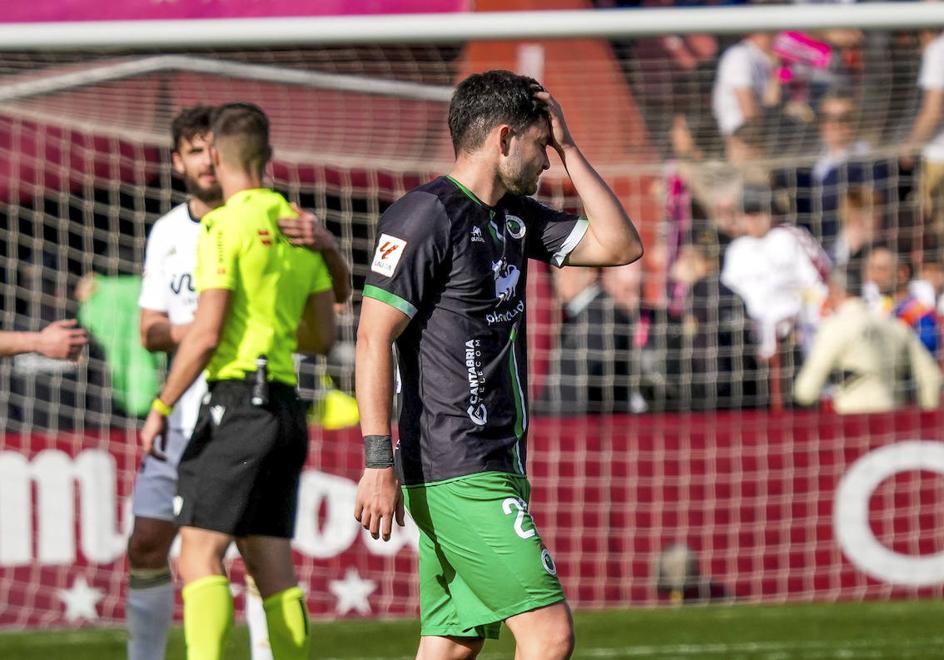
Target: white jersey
(932, 78)
(780, 277)
(168, 287)
(743, 65)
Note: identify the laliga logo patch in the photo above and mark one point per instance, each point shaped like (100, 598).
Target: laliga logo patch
(389, 250)
(515, 226)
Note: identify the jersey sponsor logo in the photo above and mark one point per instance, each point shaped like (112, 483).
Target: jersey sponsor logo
(504, 317)
(477, 236)
(506, 280)
(182, 282)
(389, 250)
(477, 411)
(515, 226)
(264, 237)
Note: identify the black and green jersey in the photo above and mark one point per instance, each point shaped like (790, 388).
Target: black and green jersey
(458, 269)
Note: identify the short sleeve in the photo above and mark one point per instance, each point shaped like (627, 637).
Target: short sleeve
(153, 280)
(932, 66)
(217, 255)
(552, 235)
(412, 246)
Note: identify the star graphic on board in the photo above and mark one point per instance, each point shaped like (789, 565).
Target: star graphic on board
(81, 600)
(352, 592)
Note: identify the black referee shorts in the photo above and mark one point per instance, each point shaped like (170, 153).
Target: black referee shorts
(239, 474)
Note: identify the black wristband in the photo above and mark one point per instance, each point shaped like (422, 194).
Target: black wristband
(378, 451)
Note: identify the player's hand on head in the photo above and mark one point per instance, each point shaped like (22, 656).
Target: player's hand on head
(560, 134)
(153, 434)
(307, 231)
(379, 501)
(61, 340)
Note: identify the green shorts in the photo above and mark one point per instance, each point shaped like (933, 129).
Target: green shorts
(481, 558)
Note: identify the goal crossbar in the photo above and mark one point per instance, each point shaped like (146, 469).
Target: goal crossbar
(112, 71)
(453, 28)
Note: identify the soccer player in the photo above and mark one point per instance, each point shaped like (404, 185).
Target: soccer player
(168, 300)
(60, 340)
(447, 286)
(260, 300)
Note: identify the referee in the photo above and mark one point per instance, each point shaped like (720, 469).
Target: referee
(261, 300)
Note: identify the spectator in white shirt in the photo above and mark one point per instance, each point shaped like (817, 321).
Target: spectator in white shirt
(746, 82)
(779, 271)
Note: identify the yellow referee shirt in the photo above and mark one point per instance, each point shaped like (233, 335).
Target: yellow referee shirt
(242, 250)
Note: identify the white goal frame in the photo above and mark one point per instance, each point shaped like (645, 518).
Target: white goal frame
(454, 28)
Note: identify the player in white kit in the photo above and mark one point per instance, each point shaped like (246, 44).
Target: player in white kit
(168, 301)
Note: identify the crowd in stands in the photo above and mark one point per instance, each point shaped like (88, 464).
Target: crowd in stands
(805, 246)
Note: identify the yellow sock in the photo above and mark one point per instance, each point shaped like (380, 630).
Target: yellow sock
(287, 618)
(208, 617)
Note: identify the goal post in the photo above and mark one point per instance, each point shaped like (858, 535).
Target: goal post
(662, 469)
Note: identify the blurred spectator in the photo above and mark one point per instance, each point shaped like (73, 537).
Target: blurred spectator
(873, 356)
(745, 83)
(779, 271)
(723, 372)
(842, 162)
(891, 289)
(593, 365)
(928, 132)
(859, 224)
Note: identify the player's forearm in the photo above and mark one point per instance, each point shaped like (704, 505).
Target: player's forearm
(611, 226)
(374, 384)
(14, 343)
(191, 359)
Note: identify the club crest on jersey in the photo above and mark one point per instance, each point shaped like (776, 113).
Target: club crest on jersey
(515, 226)
(506, 280)
(388, 253)
(477, 236)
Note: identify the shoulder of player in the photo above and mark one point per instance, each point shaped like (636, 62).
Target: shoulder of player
(170, 221)
(416, 209)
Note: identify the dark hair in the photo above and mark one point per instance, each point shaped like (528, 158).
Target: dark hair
(190, 123)
(241, 133)
(485, 100)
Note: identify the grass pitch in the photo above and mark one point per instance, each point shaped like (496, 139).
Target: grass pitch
(893, 631)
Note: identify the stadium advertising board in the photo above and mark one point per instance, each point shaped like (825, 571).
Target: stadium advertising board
(92, 10)
(770, 507)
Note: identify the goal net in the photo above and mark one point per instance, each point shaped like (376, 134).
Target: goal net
(668, 457)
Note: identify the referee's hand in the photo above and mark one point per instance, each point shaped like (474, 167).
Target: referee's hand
(378, 501)
(307, 231)
(152, 435)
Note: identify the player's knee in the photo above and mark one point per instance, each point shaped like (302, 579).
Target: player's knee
(560, 643)
(147, 550)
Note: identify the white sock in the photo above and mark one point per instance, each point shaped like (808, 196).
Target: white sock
(149, 612)
(256, 618)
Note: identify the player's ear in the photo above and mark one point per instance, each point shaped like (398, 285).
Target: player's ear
(504, 139)
(178, 162)
(214, 156)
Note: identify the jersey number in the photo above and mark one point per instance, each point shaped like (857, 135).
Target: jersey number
(514, 503)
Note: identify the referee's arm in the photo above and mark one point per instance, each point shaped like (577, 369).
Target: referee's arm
(317, 330)
(193, 355)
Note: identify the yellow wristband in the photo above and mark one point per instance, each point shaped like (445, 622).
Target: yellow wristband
(161, 407)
